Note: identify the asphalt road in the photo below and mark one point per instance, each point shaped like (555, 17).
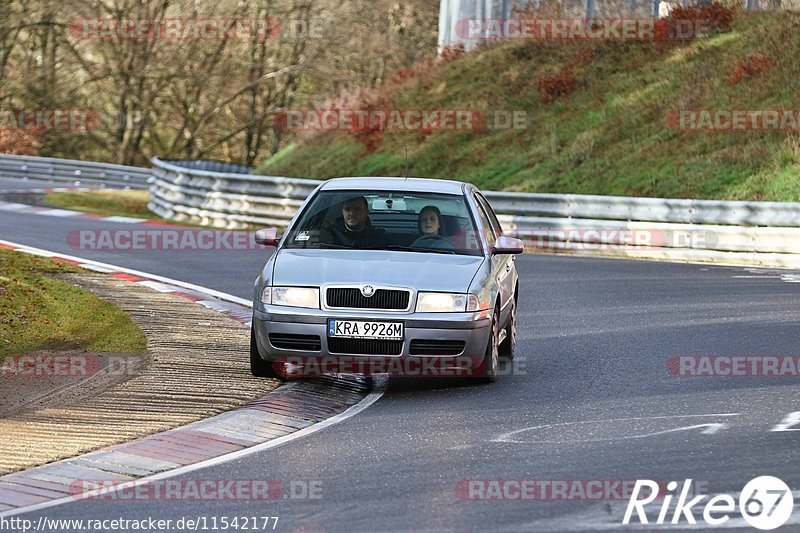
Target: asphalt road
(594, 339)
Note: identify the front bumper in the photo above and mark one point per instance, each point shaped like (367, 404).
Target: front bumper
(472, 329)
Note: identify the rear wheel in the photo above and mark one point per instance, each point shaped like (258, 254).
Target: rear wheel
(508, 348)
(491, 358)
(259, 367)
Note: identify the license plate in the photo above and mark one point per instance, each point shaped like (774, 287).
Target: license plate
(352, 329)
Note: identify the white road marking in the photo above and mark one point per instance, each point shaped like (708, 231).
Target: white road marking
(711, 428)
(156, 286)
(40, 253)
(60, 213)
(790, 420)
(787, 276)
(86, 263)
(8, 206)
(214, 305)
(97, 268)
(125, 220)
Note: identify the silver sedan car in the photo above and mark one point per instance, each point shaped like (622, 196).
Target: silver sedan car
(406, 277)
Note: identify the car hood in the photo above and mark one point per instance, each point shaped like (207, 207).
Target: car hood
(421, 271)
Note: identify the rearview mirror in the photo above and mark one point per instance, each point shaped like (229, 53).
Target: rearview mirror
(508, 245)
(267, 237)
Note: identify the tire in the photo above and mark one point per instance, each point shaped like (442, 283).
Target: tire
(508, 348)
(258, 367)
(491, 358)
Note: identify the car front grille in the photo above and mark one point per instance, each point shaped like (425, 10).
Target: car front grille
(436, 347)
(351, 298)
(365, 346)
(288, 341)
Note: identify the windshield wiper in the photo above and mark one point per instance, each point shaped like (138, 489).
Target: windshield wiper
(399, 248)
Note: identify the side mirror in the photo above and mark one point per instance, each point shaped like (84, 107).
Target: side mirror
(267, 237)
(508, 245)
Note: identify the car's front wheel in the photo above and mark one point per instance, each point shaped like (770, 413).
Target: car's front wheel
(508, 348)
(259, 367)
(491, 358)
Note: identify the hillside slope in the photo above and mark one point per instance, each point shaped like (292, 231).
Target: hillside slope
(609, 135)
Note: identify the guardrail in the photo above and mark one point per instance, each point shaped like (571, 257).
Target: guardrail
(753, 233)
(229, 196)
(207, 193)
(73, 171)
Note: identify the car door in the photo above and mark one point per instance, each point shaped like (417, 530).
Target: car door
(500, 270)
(507, 274)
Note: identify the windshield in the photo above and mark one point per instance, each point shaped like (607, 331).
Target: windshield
(384, 220)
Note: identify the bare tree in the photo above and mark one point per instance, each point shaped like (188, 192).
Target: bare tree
(188, 97)
(12, 23)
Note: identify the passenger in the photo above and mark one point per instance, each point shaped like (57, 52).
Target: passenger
(431, 226)
(354, 229)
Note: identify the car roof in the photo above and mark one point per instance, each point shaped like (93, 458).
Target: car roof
(395, 184)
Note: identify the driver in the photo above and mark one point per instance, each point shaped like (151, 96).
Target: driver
(354, 229)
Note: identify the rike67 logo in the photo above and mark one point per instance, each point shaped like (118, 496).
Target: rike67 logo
(765, 503)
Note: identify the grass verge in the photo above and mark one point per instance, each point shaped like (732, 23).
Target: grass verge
(38, 312)
(107, 202)
(610, 134)
(116, 203)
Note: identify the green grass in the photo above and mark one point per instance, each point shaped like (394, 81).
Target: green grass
(609, 136)
(108, 202)
(112, 203)
(41, 313)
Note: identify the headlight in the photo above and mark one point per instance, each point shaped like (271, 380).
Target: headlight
(291, 296)
(441, 302)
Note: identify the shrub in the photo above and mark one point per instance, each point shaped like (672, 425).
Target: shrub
(450, 53)
(686, 23)
(564, 82)
(555, 86)
(583, 56)
(18, 142)
(719, 16)
(748, 67)
(371, 135)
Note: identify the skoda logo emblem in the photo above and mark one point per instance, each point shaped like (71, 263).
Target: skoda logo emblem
(368, 291)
